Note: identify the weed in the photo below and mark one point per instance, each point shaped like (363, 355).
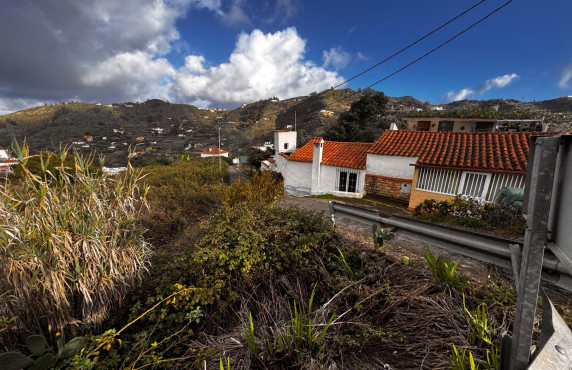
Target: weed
(250, 337)
(480, 328)
(445, 272)
(300, 334)
(347, 268)
(459, 360)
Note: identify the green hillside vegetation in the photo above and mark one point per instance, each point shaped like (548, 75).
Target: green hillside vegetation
(170, 130)
(232, 278)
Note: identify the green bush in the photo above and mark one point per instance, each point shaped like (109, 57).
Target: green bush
(469, 212)
(180, 194)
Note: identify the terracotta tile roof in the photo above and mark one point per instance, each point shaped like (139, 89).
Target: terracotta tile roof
(271, 160)
(214, 150)
(492, 151)
(352, 155)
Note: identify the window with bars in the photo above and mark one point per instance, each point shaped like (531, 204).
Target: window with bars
(501, 180)
(438, 180)
(475, 184)
(347, 180)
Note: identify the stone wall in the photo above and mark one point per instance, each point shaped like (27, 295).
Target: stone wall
(387, 187)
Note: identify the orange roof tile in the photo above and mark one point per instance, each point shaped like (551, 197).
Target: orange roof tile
(493, 151)
(271, 160)
(214, 150)
(352, 155)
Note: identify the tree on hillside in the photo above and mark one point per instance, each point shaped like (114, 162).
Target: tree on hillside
(355, 124)
(256, 156)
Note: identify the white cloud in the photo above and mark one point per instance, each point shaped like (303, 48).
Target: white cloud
(565, 77)
(362, 56)
(10, 105)
(497, 82)
(336, 57)
(109, 51)
(135, 74)
(261, 65)
(235, 16)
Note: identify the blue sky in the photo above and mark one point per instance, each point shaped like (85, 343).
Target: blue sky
(228, 52)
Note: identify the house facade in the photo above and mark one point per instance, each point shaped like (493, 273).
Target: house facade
(409, 166)
(324, 167)
(441, 165)
(456, 124)
(214, 152)
(442, 124)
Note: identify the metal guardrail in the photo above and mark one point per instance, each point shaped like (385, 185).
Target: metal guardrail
(485, 248)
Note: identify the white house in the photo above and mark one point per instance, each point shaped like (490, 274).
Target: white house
(6, 163)
(213, 151)
(284, 141)
(412, 166)
(268, 164)
(324, 167)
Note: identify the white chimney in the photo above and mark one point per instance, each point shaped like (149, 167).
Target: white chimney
(316, 167)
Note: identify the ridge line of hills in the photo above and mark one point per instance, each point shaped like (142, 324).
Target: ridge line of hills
(159, 128)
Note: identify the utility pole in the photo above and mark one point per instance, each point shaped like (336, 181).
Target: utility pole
(294, 120)
(219, 148)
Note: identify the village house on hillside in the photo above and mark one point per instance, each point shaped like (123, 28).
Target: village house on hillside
(408, 166)
(6, 162)
(213, 151)
(456, 124)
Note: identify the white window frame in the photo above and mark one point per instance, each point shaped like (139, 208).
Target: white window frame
(483, 195)
(348, 171)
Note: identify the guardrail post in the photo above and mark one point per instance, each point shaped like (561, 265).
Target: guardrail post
(332, 212)
(540, 181)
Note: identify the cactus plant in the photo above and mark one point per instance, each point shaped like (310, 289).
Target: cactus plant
(380, 235)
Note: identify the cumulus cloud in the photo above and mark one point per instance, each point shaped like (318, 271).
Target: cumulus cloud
(110, 51)
(336, 57)
(565, 77)
(497, 82)
(62, 49)
(261, 65)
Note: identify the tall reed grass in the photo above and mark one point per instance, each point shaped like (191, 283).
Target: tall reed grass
(70, 242)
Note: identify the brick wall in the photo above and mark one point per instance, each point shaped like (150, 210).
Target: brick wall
(418, 196)
(386, 187)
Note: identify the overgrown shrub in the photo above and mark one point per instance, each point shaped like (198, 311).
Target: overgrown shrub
(70, 243)
(180, 194)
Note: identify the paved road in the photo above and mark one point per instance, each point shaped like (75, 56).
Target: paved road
(235, 174)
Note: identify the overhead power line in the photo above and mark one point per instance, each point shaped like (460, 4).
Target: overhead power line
(391, 56)
(412, 44)
(427, 53)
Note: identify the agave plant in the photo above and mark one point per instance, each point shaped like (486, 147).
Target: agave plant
(70, 242)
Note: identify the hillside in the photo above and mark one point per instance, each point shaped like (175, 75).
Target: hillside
(170, 129)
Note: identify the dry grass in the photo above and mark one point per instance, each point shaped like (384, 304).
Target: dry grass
(70, 244)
